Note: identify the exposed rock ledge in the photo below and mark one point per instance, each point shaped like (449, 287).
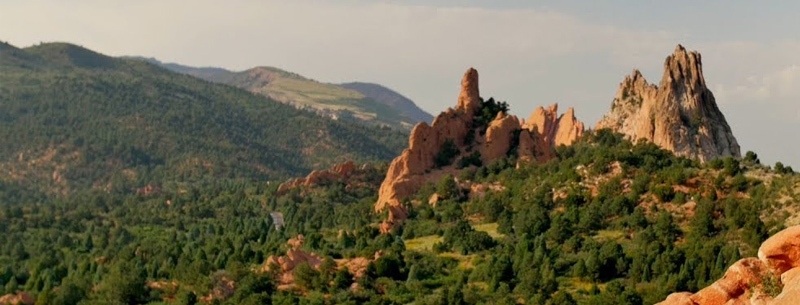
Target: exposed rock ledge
(742, 284)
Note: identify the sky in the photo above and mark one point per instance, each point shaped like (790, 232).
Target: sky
(528, 53)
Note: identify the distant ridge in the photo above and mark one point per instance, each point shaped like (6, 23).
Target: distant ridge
(361, 102)
(392, 99)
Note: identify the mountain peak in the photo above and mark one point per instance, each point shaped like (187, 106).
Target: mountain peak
(71, 55)
(683, 67)
(680, 115)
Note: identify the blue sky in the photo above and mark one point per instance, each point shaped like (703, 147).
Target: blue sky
(528, 53)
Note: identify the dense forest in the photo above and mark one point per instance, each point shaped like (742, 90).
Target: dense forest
(73, 119)
(607, 222)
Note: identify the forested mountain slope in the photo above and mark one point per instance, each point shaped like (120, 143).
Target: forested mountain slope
(72, 119)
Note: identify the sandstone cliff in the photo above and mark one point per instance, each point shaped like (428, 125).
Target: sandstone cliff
(680, 114)
(748, 280)
(465, 127)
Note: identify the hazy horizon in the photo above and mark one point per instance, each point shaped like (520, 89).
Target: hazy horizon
(529, 55)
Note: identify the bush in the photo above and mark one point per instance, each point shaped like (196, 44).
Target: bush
(731, 166)
(716, 164)
(447, 154)
(471, 159)
(447, 188)
(664, 193)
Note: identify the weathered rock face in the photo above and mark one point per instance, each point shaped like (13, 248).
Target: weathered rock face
(778, 256)
(547, 130)
(680, 114)
(534, 142)
(499, 137)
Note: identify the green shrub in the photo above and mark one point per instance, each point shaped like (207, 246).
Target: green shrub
(446, 155)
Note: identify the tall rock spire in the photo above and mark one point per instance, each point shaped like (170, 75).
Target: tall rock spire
(680, 114)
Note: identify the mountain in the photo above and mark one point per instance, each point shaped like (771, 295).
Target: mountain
(73, 119)
(680, 114)
(392, 99)
(360, 102)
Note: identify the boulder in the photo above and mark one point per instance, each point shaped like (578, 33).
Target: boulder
(782, 251)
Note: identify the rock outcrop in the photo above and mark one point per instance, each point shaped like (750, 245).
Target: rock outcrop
(680, 114)
(284, 266)
(745, 282)
(19, 298)
(504, 134)
(338, 172)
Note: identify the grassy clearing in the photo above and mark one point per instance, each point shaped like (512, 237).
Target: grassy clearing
(424, 243)
(490, 228)
(609, 235)
(464, 261)
(574, 284)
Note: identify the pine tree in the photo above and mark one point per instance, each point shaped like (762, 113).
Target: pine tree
(12, 286)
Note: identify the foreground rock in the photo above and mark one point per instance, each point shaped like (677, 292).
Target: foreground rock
(680, 114)
(462, 128)
(748, 281)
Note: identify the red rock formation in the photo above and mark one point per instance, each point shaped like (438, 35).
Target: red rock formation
(781, 252)
(546, 130)
(293, 258)
(338, 172)
(569, 129)
(415, 166)
(680, 114)
(499, 136)
(18, 298)
(778, 256)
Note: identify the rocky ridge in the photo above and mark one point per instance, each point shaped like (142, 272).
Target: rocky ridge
(533, 140)
(680, 114)
(771, 279)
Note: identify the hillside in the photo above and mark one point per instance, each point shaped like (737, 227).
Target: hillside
(392, 99)
(359, 102)
(73, 119)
